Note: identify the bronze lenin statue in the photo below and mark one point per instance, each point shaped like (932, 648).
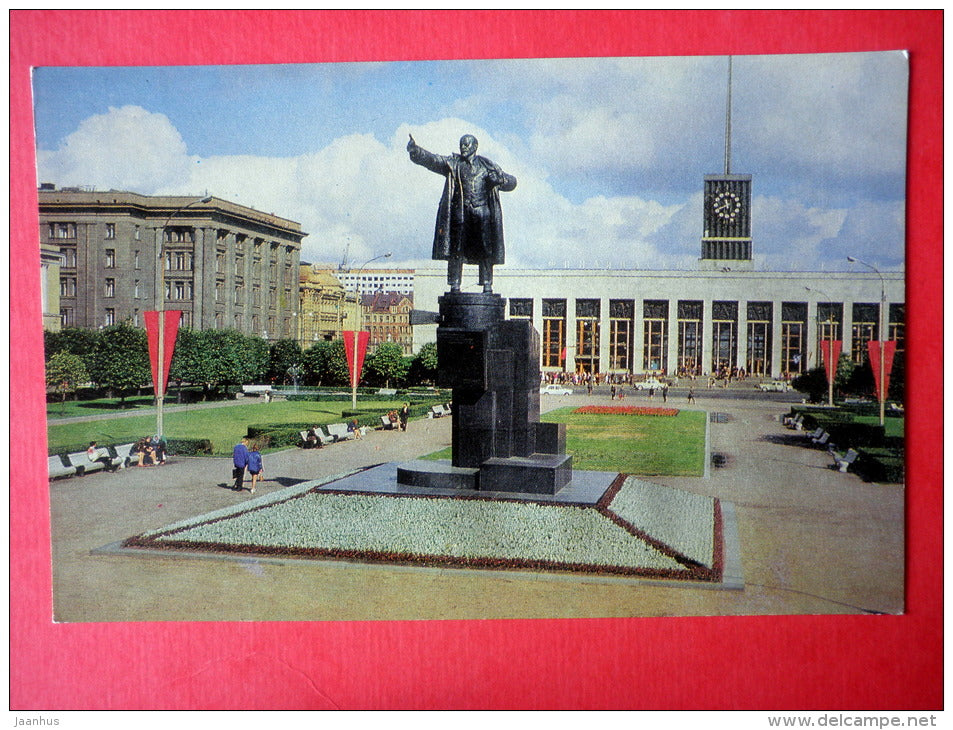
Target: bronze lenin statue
(469, 225)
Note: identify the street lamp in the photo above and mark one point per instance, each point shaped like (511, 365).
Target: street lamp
(357, 329)
(882, 395)
(830, 345)
(160, 309)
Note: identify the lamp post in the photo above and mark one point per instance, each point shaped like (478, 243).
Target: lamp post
(160, 309)
(354, 375)
(881, 395)
(830, 346)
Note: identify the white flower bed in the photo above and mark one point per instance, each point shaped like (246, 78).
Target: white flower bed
(421, 526)
(682, 520)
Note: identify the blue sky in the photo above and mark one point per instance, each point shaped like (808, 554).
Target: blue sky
(609, 153)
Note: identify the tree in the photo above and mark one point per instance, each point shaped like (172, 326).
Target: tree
(74, 340)
(423, 366)
(325, 363)
(65, 372)
(813, 383)
(386, 364)
(284, 357)
(120, 360)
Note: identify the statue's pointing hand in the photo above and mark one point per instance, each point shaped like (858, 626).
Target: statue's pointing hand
(411, 144)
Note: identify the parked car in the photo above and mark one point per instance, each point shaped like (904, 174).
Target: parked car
(649, 384)
(775, 386)
(553, 389)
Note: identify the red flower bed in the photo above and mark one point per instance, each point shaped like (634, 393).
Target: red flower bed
(627, 410)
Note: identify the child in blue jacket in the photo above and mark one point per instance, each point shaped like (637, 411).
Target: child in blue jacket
(255, 467)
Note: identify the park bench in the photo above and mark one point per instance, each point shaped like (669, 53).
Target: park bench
(843, 461)
(439, 411)
(120, 456)
(822, 439)
(386, 423)
(387, 391)
(339, 432)
(816, 433)
(84, 465)
(255, 390)
(794, 422)
(58, 468)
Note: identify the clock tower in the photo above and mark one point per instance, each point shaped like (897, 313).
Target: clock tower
(726, 236)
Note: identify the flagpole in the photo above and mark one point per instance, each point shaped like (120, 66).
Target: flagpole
(881, 394)
(357, 330)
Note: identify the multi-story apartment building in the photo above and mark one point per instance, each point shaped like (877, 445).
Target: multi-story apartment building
(326, 308)
(370, 281)
(222, 264)
(386, 317)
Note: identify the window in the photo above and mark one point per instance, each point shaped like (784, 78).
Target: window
(183, 290)
(110, 230)
(137, 290)
(67, 286)
(690, 315)
(864, 330)
(758, 356)
(179, 234)
(239, 265)
(655, 335)
(62, 230)
(793, 337)
(219, 291)
(67, 318)
(183, 260)
(135, 259)
(239, 294)
(724, 320)
(521, 308)
(219, 320)
(110, 318)
(220, 262)
(896, 327)
(69, 258)
(110, 258)
(554, 332)
(110, 288)
(587, 335)
(238, 320)
(137, 234)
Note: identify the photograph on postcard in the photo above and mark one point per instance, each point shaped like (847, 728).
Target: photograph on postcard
(539, 338)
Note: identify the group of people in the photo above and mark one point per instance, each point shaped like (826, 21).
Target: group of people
(398, 419)
(246, 457)
(149, 451)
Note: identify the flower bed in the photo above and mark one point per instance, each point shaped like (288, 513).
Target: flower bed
(637, 529)
(627, 411)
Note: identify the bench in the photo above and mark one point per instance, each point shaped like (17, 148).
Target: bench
(843, 461)
(84, 465)
(58, 468)
(120, 456)
(822, 439)
(815, 434)
(388, 424)
(255, 390)
(794, 422)
(339, 432)
(439, 411)
(387, 391)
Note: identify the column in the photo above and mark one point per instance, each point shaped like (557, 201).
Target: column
(847, 328)
(741, 356)
(672, 325)
(570, 335)
(605, 332)
(776, 339)
(707, 334)
(813, 351)
(638, 336)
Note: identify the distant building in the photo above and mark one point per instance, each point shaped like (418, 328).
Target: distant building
(386, 317)
(370, 281)
(326, 308)
(50, 260)
(222, 264)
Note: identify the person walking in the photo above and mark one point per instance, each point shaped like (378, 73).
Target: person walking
(404, 416)
(691, 395)
(239, 462)
(665, 394)
(255, 466)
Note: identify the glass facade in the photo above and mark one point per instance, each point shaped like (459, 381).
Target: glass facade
(554, 333)
(690, 322)
(758, 355)
(621, 320)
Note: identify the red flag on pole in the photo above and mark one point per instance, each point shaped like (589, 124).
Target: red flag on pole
(362, 339)
(830, 351)
(873, 352)
(172, 318)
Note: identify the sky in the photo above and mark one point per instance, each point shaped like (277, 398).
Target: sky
(610, 154)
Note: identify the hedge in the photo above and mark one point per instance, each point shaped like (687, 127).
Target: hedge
(880, 465)
(174, 447)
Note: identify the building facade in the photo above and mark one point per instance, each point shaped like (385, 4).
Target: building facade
(386, 317)
(223, 265)
(669, 322)
(50, 260)
(370, 281)
(326, 309)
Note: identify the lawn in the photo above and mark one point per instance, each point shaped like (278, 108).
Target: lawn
(223, 426)
(631, 444)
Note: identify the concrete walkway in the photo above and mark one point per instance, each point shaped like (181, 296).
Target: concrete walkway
(812, 541)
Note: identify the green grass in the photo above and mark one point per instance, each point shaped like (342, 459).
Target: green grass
(223, 426)
(74, 409)
(644, 445)
(893, 427)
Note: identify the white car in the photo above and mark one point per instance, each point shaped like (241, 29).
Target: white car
(650, 384)
(776, 386)
(553, 389)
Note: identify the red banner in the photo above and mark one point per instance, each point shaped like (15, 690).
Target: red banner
(362, 338)
(830, 351)
(172, 318)
(873, 352)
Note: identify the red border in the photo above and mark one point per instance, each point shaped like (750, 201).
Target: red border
(780, 663)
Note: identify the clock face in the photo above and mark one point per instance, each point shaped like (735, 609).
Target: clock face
(726, 205)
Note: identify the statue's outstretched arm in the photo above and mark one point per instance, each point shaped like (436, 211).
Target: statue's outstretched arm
(420, 156)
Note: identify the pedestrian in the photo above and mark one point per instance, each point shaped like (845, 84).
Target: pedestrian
(612, 393)
(239, 462)
(255, 466)
(94, 455)
(664, 394)
(691, 395)
(404, 416)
